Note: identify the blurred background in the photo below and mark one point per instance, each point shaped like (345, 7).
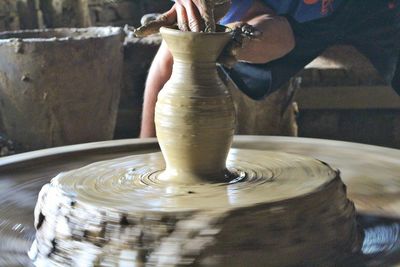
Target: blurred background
(338, 96)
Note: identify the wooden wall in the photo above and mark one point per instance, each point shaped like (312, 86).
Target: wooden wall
(343, 97)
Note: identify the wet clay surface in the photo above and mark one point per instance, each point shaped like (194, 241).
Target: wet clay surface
(21, 182)
(134, 184)
(107, 216)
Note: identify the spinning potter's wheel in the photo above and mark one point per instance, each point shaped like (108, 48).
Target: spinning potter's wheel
(371, 174)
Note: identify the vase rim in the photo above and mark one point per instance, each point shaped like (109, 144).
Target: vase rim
(174, 31)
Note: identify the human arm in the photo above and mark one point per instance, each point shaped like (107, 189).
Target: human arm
(276, 40)
(159, 73)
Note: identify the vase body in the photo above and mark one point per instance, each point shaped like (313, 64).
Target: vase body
(194, 117)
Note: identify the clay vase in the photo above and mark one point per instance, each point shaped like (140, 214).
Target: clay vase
(194, 116)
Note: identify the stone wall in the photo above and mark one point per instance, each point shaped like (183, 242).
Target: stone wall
(19, 14)
(9, 19)
(75, 13)
(27, 14)
(103, 12)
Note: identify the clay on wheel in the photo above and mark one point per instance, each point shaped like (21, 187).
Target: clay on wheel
(277, 208)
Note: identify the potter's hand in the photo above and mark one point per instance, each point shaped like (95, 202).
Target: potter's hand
(195, 15)
(243, 33)
(189, 15)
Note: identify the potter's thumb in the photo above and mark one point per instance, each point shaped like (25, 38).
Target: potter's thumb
(153, 26)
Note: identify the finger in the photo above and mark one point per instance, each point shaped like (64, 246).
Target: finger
(167, 19)
(151, 28)
(170, 15)
(182, 18)
(202, 6)
(194, 17)
(206, 9)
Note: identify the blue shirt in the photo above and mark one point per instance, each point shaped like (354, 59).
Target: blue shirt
(300, 10)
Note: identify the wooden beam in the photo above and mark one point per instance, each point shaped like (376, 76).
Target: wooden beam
(348, 97)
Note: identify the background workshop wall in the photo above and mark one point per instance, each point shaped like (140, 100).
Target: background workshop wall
(341, 96)
(29, 14)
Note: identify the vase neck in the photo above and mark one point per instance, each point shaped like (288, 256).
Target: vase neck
(204, 73)
(193, 47)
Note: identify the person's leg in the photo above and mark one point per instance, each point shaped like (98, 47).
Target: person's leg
(159, 73)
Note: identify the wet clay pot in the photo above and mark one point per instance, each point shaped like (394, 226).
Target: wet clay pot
(195, 116)
(59, 86)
